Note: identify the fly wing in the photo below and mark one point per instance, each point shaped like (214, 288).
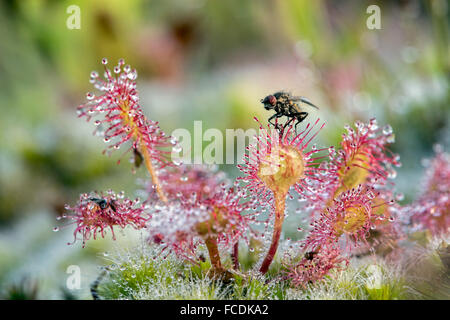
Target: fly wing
(305, 100)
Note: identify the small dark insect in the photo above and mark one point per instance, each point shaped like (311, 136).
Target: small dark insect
(103, 204)
(284, 104)
(138, 158)
(310, 255)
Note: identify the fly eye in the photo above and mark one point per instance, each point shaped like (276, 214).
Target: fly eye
(272, 100)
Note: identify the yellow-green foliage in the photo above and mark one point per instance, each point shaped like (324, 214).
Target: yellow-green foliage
(356, 283)
(146, 275)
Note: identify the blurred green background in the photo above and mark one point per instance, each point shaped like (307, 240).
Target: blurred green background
(197, 60)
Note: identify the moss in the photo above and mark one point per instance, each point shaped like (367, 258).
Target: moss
(146, 275)
(365, 282)
(150, 276)
(128, 276)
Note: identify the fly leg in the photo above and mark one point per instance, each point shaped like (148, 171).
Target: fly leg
(288, 123)
(292, 115)
(300, 117)
(272, 117)
(276, 115)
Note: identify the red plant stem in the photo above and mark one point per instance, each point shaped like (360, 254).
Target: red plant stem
(211, 244)
(280, 203)
(151, 170)
(235, 256)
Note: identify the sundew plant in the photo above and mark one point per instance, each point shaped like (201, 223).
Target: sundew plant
(207, 237)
